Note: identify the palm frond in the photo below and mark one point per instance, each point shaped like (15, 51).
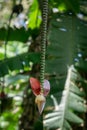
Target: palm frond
(64, 48)
(67, 109)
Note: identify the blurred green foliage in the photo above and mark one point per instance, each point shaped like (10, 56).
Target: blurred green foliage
(67, 45)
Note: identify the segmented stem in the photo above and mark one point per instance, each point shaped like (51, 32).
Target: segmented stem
(43, 40)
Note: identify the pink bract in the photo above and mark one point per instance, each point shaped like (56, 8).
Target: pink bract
(46, 87)
(35, 85)
(36, 88)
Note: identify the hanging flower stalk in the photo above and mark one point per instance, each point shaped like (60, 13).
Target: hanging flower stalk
(42, 88)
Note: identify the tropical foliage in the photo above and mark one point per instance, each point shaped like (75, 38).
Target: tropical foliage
(66, 65)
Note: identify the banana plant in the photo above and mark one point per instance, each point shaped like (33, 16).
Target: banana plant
(66, 46)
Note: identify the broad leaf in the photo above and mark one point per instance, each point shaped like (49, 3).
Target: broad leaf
(15, 34)
(34, 15)
(62, 46)
(18, 62)
(73, 5)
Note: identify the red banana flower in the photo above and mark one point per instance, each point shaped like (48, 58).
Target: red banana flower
(40, 97)
(36, 88)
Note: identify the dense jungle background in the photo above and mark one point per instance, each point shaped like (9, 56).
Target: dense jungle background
(66, 64)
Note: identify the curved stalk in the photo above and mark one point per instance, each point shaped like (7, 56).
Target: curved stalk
(43, 40)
